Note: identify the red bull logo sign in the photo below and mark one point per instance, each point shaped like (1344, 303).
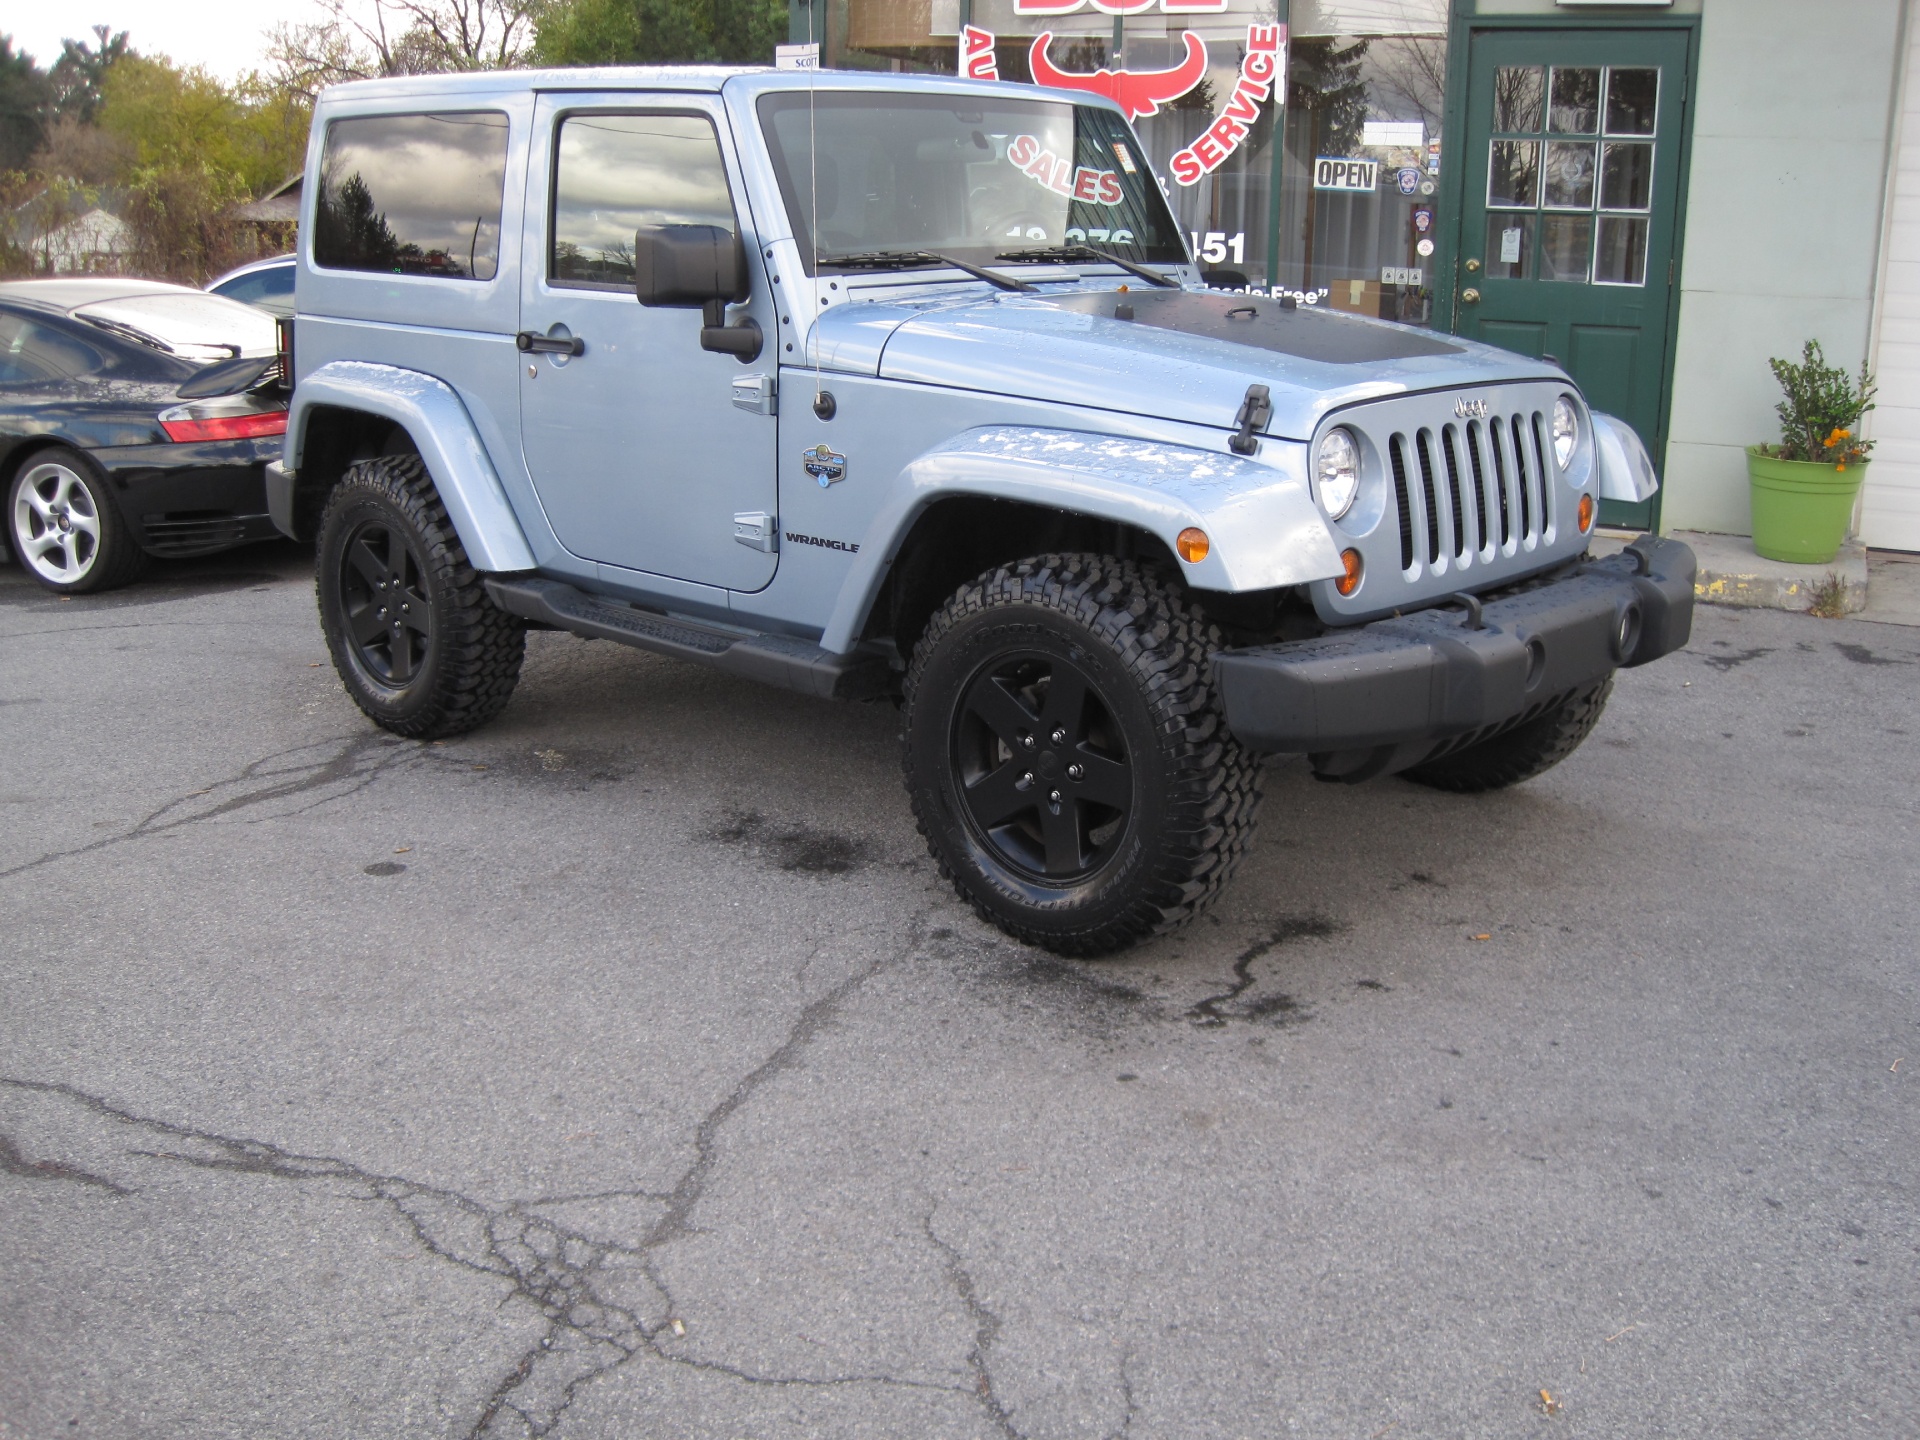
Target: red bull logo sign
(1138, 92)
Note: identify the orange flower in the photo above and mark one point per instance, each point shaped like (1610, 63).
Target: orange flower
(1837, 436)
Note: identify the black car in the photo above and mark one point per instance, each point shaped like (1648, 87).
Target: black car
(136, 419)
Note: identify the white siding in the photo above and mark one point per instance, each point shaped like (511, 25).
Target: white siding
(1890, 507)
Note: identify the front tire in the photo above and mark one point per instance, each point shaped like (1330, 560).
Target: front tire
(420, 646)
(1522, 752)
(1066, 756)
(64, 529)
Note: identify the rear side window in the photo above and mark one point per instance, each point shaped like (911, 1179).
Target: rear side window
(276, 283)
(413, 195)
(615, 173)
(33, 354)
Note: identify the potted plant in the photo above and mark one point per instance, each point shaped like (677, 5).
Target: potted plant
(1803, 488)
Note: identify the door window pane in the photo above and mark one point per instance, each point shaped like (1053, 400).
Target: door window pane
(1513, 173)
(1518, 91)
(1621, 256)
(1509, 247)
(615, 173)
(1631, 98)
(1626, 183)
(1575, 107)
(1566, 247)
(1569, 176)
(413, 195)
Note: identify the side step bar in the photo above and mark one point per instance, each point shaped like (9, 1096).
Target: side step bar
(782, 660)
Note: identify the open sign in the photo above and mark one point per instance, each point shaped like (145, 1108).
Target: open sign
(1333, 172)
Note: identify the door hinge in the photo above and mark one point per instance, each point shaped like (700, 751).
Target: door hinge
(756, 530)
(759, 394)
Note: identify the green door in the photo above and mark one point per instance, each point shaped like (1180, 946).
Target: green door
(1567, 230)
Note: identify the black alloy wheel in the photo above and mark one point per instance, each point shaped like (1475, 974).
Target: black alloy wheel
(415, 638)
(383, 592)
(1066, 756)
(1045, 780)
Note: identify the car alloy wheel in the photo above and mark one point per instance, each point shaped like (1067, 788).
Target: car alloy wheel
(56, 524)
(384, 595)
(1044, 776)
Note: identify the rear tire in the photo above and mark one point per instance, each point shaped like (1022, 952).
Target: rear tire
(1066, 756)
(420, 646)
(64, 529)
(1522, 752)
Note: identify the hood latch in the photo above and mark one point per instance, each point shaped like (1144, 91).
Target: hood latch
(1255, 411)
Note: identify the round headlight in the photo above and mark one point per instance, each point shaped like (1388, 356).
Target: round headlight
(1566, 431)
(1336, 468)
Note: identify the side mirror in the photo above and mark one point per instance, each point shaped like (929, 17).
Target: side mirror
(697, 266)
(688, 266)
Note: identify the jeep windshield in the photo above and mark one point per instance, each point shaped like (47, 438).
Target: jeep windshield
(965, 177)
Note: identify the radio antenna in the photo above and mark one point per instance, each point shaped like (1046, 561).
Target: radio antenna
(813, 180)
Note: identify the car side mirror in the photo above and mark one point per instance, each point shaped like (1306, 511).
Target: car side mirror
(697, 266)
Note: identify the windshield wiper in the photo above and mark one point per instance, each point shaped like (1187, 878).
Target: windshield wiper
(1087, 252)
(911, 259)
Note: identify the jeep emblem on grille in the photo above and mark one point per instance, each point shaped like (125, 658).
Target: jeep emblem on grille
(1467, 409)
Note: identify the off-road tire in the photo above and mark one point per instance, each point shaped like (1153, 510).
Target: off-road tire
(112, 556)
(1522, 752)
(470, 658)
(1144, 652)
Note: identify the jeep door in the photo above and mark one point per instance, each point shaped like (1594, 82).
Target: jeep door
(639, 455)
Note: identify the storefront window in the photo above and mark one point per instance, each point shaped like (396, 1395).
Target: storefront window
(1357, 216)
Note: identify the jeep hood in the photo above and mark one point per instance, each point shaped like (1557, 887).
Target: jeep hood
(1179, 355)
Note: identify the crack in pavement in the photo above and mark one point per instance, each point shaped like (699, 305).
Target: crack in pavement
(1208, 1014)
(986, 1330)
(352, 766)
(604, 1303)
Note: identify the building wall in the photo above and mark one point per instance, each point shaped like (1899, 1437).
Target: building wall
(1890, 510)
(1790, 139)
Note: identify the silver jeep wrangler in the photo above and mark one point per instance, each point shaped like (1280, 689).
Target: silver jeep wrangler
(900, 386)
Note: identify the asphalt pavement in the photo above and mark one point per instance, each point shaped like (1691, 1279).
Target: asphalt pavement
(626, 1070)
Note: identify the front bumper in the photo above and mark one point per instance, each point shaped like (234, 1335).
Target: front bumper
(1377, 698)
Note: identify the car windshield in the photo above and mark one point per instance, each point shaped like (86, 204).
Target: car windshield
(192, 326)
(964, 176)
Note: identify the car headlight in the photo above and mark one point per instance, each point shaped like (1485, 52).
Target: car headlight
(1566, 431)
(1336, 468)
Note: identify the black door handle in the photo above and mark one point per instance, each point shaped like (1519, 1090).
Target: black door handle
(528, 342)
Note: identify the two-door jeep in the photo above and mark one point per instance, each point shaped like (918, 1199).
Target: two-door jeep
(884, 386)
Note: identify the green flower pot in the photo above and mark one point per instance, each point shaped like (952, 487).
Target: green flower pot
(1801, 508)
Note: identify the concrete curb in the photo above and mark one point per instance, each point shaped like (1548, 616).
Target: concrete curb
(1731, 574)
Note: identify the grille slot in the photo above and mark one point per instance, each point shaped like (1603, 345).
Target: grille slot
(1464, 544)
(1423, 447)
(1541, 450)
(1396, 451)
(1522, 478)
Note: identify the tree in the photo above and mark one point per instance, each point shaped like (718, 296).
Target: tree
(25, 95)
(401, 37)
(659, 32)
(79, 76)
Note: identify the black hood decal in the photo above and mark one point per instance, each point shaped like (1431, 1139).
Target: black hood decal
(1325, 336)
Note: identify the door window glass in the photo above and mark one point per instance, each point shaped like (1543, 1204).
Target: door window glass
(1632, 96)
(1569, 176)
(1513, 173)
(615, 173)
(1603, 189)
(1518, 91)
(413, 195)
(1575, 109)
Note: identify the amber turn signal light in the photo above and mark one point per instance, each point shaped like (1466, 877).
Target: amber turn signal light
(1350, 581)
(1193, 545)
(1586, 513)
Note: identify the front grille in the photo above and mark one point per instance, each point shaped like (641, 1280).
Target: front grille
(1445, 504)
(1467, 503)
